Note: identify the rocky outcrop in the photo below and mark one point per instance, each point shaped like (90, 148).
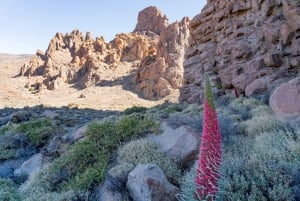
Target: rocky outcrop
(247, 46)
(151, 19)
(73, 58)
(158, 75)
(154, 47)
(285, 101)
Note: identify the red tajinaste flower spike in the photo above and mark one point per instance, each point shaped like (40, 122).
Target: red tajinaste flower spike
(207, 173)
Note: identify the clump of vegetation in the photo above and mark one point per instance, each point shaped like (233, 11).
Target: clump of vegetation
(260, 157)
(39, 189)
(37, 131)
(144, 151)
(135, 109)
(86, 162)
(8, 191)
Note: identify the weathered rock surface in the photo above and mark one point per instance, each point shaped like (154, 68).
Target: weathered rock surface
(30, 166)
(181, 144)
(285, 101)
(149, 183)
(151, 19)
(155, 47)
(73, 58)
(159, 74)
(250, 46)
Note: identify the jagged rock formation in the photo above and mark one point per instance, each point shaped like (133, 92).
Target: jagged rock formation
(159, 74)
(73, 58)
(247, 46)
(151, 19)
(154, 47)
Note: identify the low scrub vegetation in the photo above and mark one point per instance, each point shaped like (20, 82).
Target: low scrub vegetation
(261, 156)
(84, 165)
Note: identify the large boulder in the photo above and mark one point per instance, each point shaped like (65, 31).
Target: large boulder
(30, 166)
(181, 144)
(285, 101)
(149, 183)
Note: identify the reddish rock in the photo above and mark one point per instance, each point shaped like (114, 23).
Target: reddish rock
(257, 87)
(155, 47)
(151, 19)
(159, 74)
(238, 42)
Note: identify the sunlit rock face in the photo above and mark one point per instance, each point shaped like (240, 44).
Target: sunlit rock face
(153, 52)
(246, 46)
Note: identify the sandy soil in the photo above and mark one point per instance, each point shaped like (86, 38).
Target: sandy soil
(14, 94)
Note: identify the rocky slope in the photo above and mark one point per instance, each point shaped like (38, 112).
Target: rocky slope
(154, 47)
(247, 46)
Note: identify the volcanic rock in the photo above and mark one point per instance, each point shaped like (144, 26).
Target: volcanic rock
(242, 44)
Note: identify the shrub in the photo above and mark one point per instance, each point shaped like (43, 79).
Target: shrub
(121, 171)
(6, 154)
(260, 124)
(135, 109)
(144, 151)
(8, 191)
(37, 131)
(187, 185)
(38, 188)
(254, 180)
(14, 146)
(277, 146)
(84, 165)
(264, 166)
(172, 108)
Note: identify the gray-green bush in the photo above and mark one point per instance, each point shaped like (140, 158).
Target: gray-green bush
(144, 151)
(261, 156)
(8, 191)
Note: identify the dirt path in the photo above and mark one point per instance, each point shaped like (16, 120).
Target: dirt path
(14, 94)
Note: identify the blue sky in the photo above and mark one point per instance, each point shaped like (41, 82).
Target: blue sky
(28, 25)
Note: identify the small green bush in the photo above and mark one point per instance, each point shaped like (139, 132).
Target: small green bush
(85, 163)
(8, 191)
(187, 185)
(6, 128)
(254, 180)
(173, 108)
(13, 146)
(144, 151)
(121, 171)
(39, 188)
(261, 124)
(135, 109)
(37, 131)
(6, 154)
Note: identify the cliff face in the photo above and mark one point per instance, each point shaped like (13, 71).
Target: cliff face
(247, 46)
(160, 73)
(154, 51)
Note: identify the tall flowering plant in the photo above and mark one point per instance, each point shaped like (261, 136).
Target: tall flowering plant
(207, 172)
